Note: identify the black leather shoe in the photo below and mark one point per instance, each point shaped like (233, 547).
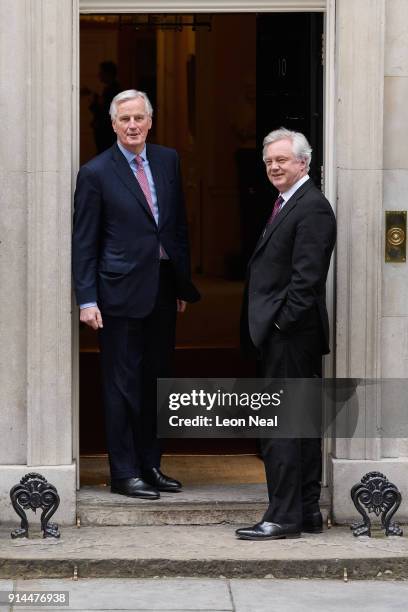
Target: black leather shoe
(268, 531)
(313, 523)
(134, 487)
(160, 481)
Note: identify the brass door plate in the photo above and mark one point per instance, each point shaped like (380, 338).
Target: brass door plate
(395, 236)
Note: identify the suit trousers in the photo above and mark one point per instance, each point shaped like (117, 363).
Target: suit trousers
(134, 353)
(292, 466)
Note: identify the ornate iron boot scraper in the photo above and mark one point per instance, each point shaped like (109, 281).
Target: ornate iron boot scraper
(34, 492)
(380, 496)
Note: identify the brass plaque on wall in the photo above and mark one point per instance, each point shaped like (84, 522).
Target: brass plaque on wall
(395, 236)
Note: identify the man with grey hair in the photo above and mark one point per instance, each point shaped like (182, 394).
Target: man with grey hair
(131, 269)
(284, 317)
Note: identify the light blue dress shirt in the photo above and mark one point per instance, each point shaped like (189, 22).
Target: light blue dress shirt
(131, 159)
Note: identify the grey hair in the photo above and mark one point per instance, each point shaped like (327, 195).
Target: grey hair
(129, 94)
(300, 146)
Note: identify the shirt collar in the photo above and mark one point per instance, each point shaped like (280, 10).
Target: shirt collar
(129, 155)
(289, 193)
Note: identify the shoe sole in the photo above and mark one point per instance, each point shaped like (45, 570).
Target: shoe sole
(135, 496)
(163, 490)
(312, 531)
(277, 537)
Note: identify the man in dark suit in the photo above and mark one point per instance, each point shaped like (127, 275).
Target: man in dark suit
(131, 272)
(285, 319)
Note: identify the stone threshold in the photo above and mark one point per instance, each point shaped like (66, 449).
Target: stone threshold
(212, 551)
(195, 505)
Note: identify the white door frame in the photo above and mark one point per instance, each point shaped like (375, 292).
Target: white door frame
(219, 6)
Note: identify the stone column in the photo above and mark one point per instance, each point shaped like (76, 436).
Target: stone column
(395, 276)
(361, 345)
(37, 64)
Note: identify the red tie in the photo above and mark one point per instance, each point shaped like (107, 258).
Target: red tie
(276, 209)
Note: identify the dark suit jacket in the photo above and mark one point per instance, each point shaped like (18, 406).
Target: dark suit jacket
(288, 269)
(116, 239)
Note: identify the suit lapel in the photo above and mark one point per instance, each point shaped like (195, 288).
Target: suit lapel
(124, 171)
(289, 206)
(157, 174)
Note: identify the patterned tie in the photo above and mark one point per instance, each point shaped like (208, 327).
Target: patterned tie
(144, 185)
(276, 209)
(143, 182)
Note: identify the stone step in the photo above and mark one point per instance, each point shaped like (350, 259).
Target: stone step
(212, 551)
(195, 505)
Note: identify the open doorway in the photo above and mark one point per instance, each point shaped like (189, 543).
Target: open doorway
(218, 84)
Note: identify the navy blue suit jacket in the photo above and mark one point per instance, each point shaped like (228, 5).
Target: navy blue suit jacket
(116, 242)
